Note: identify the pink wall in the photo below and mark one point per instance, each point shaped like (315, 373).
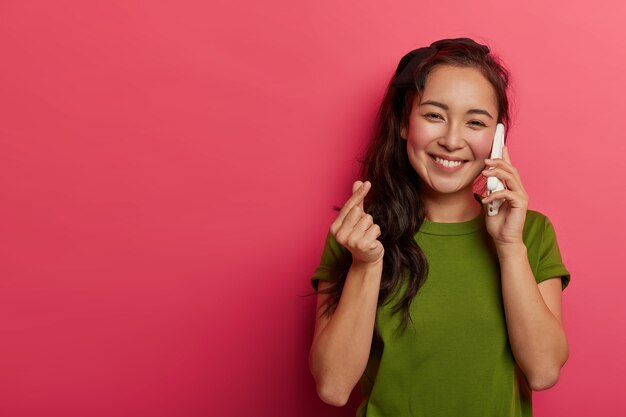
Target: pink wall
(167, 172)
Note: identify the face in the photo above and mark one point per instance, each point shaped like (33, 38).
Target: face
(451, 127)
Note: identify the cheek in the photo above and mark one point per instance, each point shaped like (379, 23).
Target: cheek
(482, 146)
(421, 134)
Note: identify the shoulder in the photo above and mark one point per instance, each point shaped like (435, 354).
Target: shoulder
(538, 232)
(533, 216)
(335, 260)
(544, 254)
(535, 225)
(334, 250)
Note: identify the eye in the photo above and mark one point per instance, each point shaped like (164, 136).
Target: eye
(432, 116)
(477, 123)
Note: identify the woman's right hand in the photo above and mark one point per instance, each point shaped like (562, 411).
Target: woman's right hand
(355, 229)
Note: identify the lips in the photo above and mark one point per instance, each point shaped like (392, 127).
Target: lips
(447, 157)
(447, 164)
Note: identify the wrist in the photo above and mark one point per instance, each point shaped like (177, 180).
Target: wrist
(376, 265)
(369, 272)
(508, 250)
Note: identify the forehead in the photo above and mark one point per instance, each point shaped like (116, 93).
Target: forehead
(459, 88)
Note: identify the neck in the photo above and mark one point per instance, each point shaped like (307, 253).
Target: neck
(451, 208)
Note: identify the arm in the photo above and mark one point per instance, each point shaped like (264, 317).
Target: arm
(342, 342)
(533, 311)
(533, 316)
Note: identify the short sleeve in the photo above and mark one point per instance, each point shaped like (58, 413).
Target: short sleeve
(550, 263)
(335, 259)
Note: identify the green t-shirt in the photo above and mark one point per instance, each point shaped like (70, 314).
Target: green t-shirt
(456, 360)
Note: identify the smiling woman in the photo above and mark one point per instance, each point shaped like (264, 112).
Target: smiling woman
(414, 244)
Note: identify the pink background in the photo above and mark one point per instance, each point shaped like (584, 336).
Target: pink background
(167, 172)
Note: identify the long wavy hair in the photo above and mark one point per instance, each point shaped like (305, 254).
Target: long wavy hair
(395, 197)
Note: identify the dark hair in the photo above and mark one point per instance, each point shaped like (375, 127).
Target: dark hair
(395, 199)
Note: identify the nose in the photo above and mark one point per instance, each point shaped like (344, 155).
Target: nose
(452, 138)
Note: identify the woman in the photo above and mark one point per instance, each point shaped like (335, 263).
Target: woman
(414, 245)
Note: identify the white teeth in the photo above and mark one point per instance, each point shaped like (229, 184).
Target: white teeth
(447, 163)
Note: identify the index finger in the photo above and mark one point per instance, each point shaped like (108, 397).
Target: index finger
(505, 154)
(356, 198)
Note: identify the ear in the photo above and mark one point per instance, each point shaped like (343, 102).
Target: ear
(403, 132)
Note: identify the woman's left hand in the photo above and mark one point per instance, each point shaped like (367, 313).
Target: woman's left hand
(507, 226)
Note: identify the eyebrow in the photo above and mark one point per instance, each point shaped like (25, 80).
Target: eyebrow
(445, 107)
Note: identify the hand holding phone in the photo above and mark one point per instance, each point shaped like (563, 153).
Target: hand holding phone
(493, 183)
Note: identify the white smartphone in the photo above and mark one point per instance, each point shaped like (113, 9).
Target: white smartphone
(493, 183)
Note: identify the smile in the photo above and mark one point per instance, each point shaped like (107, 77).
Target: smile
(446, 163)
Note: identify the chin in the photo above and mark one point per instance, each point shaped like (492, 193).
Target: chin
(448, 188)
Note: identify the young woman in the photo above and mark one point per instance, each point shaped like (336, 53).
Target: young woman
(436, 308)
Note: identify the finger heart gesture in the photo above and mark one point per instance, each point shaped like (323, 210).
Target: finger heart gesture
(355, 229)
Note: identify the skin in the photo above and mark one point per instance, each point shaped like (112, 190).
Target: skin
(448, 197)
(341, 344)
